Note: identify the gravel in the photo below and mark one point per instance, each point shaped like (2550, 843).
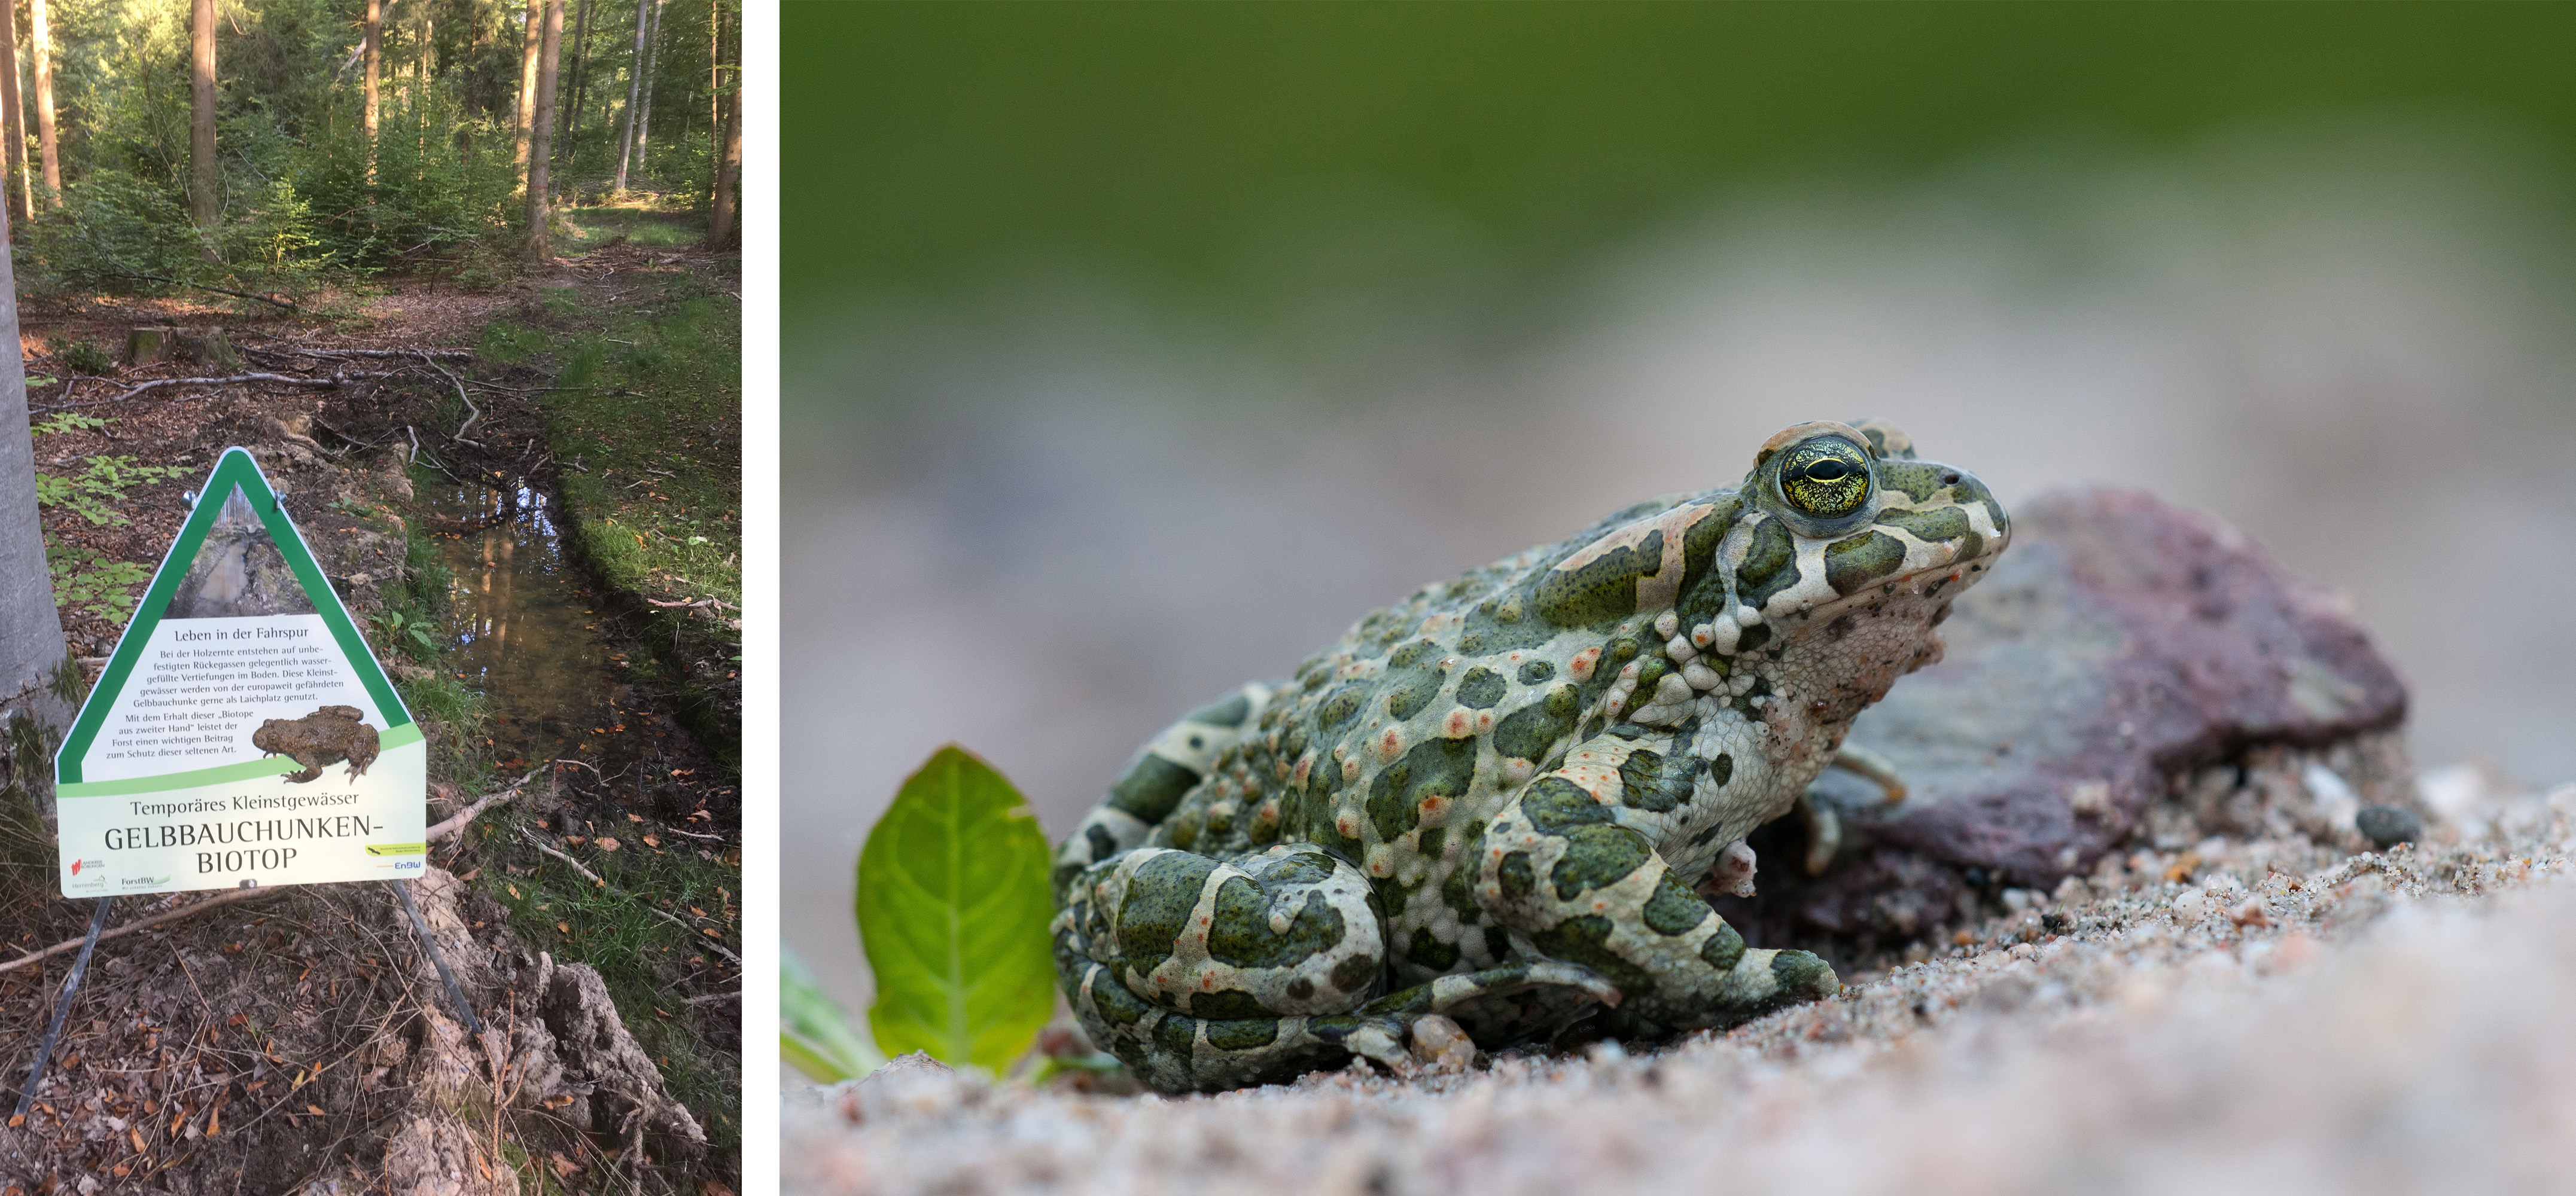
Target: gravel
(2245, 1014)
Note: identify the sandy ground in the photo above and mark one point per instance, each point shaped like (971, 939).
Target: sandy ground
(2263, 1016)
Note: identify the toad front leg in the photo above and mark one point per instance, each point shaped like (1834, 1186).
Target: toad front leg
(1565, 873)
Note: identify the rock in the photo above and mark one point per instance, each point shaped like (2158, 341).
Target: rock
(2388, 826)
(2122, 645)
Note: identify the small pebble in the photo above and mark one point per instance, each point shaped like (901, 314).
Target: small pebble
(2388, 826)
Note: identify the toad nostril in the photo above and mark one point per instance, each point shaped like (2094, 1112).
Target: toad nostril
(1949, 479)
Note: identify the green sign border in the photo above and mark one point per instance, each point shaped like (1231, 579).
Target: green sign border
(236, 468)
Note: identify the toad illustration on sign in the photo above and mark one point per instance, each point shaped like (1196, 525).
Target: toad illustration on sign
(204, 758)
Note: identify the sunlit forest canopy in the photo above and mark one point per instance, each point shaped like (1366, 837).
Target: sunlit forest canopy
(297, 187)
(948, 143)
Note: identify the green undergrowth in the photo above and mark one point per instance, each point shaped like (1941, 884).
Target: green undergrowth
(588, 228)
(646, 958)
(645, 421)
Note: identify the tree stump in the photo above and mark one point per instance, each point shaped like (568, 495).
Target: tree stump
(150, 346)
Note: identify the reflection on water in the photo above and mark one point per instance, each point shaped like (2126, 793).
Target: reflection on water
(523, 627)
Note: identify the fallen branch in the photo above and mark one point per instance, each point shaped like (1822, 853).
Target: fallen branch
(465, 354)
(203, 287)
(539, 844)
(694, 604)
(474, 412)
(456, 822)
(712, 998)
(676, 920)
(65, 948)
(236, 379)
(594, 878)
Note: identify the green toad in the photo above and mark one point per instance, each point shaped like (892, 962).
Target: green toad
(1499, 800)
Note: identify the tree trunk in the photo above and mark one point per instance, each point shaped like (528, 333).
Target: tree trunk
(373, 46)
(41, 44)
(201, 94)
(721, 233)
(571, 125)
(541, 138)
(634, 94)
(528, 77)
(652, 64)
(12, 122)
(31, 630)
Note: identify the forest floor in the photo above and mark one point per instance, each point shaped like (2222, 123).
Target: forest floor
(2268, 1014)
(297, 1041)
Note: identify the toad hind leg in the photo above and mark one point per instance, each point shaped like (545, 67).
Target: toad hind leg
(1560, 870)
(1203, 975)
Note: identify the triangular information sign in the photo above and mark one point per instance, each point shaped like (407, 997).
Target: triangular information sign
(242, 733)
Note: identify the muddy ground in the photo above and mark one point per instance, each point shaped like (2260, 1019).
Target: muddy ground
(299, 1041)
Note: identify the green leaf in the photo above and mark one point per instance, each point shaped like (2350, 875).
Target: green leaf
(953, 909)
(814, 1034)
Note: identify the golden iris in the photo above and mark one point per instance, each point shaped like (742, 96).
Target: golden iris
(1827, 477)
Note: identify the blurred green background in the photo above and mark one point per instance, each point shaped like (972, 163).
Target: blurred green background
(937, 146)
(1132, 351)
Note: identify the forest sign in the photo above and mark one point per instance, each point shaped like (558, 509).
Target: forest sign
(242, 732)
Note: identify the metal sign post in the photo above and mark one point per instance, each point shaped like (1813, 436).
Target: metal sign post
(63, 1006)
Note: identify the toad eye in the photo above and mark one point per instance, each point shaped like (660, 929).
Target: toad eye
(1827, 477)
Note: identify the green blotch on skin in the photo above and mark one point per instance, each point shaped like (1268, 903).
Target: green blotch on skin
(1517, 878)
(1536, 671)
(1647, 781)
(1455, 893)
(1481, 688)
(1801, 973)
(1919, 480)
(1152, 786)
(1432, 840)
(1723, 948)
(1597, 856)
(1498, 943)
(1355, 974)
(1586, 940)
(1411, 654)
(1243, 1035)
(1752, 638)
(1295, 868)
(1340, 705)
(1117, 1006)
(1555, 806)
(1225, 1003)
(1649, 674)
(1770, 564)
(1856, 562)
(1674, 909)
(1411, 693)
(1433, 768)
(1176, 1035)
(1228, 713)
(1931, 527)
(1430, 952)
(1721, 770)
(1240, 933)
(1501, 630)
(1601, 590)
(1701, 538)
(1160, 897)
(1528, 733)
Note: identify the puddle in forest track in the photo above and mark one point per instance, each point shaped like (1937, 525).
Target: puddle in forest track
(525, 626)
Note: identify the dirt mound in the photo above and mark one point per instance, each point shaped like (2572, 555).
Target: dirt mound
(212, 1056)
